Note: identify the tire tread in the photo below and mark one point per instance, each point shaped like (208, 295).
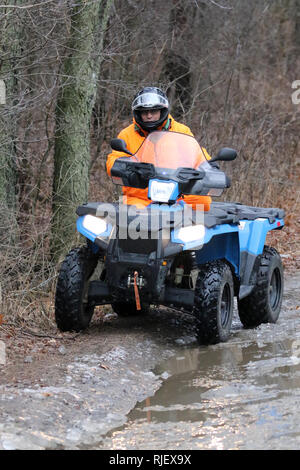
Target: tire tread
(69, 314)
(254, 309)
(206, 300)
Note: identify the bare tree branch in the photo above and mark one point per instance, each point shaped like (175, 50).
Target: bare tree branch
(25, 7)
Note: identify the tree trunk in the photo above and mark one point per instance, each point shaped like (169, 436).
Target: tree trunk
(73, 115)
(297, 26)
(176, 62)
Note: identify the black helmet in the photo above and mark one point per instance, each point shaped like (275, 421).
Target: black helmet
(150, 98)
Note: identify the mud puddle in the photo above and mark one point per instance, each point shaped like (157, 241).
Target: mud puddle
(244, 394)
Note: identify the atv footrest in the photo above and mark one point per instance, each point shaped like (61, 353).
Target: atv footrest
(99, 293)
(245, 290)
(179, 298)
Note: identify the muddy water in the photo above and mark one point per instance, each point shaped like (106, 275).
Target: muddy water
(243, 394)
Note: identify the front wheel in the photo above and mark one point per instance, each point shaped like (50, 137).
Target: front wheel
(72, 310)
(213, 305)
(263, 305)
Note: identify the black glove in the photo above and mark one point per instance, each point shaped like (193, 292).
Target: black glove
(132, 178)
(133, 174)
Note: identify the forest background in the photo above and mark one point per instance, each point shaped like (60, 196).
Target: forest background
(71, 69)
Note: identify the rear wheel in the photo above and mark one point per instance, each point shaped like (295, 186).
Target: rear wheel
(128, 309)
(213, 306)
(72, 310)
(263, 305)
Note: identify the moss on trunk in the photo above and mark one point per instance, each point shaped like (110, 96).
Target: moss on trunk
(73, 115)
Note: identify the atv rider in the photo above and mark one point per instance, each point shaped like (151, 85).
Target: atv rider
(151, 113)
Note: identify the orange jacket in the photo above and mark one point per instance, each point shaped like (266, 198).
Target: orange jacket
(134, 136)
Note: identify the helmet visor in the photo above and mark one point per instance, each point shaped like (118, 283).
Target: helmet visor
(149, 100)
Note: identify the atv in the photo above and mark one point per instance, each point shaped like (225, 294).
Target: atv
(166, 253)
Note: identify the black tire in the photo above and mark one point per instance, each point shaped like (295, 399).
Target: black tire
(128, 309)
(213, 305)
(72, 312)
(263, 305)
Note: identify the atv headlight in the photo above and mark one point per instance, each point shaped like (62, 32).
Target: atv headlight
(162, 191)
(189, 234)
(94, 225)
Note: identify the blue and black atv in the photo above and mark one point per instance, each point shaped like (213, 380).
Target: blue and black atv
(165, 253)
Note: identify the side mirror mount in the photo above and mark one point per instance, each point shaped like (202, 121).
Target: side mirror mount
(225, 154)
(120, 146)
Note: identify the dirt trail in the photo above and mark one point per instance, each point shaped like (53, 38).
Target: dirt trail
(66, 391)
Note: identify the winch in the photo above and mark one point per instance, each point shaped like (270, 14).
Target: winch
(135, 279)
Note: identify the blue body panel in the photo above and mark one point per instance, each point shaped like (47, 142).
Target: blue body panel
(252, 234)
(221, 246)
(228, 241)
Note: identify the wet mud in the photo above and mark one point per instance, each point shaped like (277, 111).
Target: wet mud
(243, 394)
(144, 383)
